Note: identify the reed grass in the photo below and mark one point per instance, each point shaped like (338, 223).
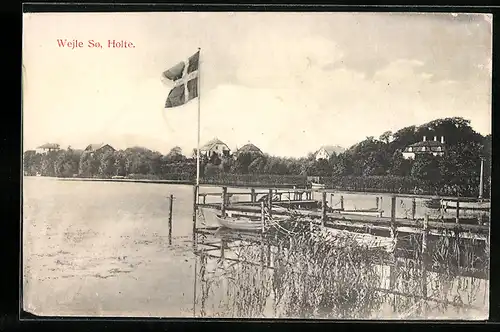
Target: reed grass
(310, 277)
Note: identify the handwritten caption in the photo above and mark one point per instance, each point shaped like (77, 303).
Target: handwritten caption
(91, 43)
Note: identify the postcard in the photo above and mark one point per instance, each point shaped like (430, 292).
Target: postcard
(319, 165)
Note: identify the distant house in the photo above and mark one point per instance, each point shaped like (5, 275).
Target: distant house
(99, 148)
(47, 148)
(435, 147)
(248, 148)
(325, 152)
(215, 146)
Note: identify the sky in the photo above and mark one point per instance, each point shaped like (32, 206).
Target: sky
(286, 82)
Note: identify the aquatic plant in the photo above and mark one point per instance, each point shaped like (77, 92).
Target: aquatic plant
(294, 271)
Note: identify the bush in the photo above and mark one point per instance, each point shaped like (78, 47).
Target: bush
(255, 179)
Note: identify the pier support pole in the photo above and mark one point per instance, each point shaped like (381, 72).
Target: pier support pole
(380, 206)
(222, 249)
(342, 203)
(252, 195)
(425, 230)
(224, 201)
(393, 216)
(270, 203)
(170, 220)
(262, 216)
(413, 208)
(457, 216)
(392, 280)
(323, 208)
(377, 203)
(268, 258)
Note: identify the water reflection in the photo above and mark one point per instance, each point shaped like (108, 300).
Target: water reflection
(291, 272)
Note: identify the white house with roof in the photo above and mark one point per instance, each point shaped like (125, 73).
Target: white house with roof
(435, 147)
(215, 146)
(99, 148)
(47, 148)
(325, 152)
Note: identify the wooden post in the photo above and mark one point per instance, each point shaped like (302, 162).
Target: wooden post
(457, 216)
(323, 208)
(204, 199)
(342, 203)
(381, 206)
(195, 208)
(268, 258)
(331, 199)
(224, 200)
(170, 220)
(377, 202)
(392, 279)
(413, 208)
(262, 216)
(252, 195)
(393, 216)
(222, 247)
(424, 286)
(425, 230)
(270, 203)
(457, 246)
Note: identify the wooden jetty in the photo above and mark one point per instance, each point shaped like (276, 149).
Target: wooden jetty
(303, 205)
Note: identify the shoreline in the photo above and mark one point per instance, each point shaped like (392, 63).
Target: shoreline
(185, 182)
(128, 180)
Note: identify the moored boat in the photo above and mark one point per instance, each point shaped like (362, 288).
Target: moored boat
(315, 185)
(374, 213)
(238, 223)
(479, 206)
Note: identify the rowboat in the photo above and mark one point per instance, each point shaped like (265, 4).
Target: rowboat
(478, 206)
(238, 223)
(315, 185)
(374, 213)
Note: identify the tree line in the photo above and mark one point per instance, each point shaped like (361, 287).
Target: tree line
(135, 162)
(373, 159)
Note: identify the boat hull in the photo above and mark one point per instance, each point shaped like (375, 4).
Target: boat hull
(479, 206)
(362, 213)
(239, 223)
(317, 186)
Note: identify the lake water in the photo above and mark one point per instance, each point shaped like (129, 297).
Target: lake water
(101, 248)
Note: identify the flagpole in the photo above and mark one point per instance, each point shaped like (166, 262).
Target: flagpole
(199, 97)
